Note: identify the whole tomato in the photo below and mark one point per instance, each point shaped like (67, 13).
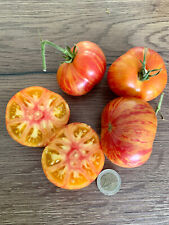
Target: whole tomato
(83, 68)
(140, 72)
(73, 159)
(128, 128)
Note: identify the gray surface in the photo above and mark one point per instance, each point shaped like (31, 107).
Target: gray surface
(26, 196)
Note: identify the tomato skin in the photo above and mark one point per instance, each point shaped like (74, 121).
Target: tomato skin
(128, 128)
(34, 114)
(77, 160)
(86, 70)
(123, 74)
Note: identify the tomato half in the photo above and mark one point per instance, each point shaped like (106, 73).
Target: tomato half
(34, 114)
(128, 76)
(74, 157)
(128, 129)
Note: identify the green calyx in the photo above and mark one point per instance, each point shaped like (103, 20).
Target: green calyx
(68, 54)
(145, 74)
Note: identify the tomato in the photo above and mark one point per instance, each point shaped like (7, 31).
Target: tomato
(128, 128)
(74, 157)
(34, 114)
(146, 79)
(83, 68)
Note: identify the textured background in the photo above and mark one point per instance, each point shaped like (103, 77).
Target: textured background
(26, 196)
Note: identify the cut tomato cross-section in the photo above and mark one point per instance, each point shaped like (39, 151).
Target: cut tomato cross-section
(74, 157)
(34, 114)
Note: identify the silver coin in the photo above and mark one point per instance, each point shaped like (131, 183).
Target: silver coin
(109, 182)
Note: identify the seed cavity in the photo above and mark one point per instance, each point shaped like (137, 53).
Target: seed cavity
(60, 174)
(35, 94)
(18, 129)
(80, 132)
(77, 178)
(92, 140)
(96, 158)
(34, 135)
(86, 167)
(60, 110)
(15, 111)
(51, 101)
(52, 157)
(62, 136)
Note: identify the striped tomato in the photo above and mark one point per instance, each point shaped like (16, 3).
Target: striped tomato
(83, 68)
(128, 129)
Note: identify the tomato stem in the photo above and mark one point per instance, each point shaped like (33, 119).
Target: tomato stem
(159, 104)
(68, 54)
(144, 74)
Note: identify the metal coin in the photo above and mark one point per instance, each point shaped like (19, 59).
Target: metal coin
(109, 182)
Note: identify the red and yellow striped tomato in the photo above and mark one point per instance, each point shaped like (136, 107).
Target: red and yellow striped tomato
(128, 129)
(84, 72)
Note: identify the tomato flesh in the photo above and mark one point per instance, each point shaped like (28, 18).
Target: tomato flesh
(34, 114)
(74, 157)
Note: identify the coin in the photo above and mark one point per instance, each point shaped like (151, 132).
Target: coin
(109, 182)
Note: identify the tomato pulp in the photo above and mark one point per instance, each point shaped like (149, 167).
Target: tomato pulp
(128, 129)
(140, 73)
(34, 114)
(74, 157)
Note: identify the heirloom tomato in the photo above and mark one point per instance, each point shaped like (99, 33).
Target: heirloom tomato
(34, 114)
(140, 73)
(128, 128)
(74, 157)
(83, 68)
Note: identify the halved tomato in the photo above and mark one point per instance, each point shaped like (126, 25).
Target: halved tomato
(74, 157)
(34, 114)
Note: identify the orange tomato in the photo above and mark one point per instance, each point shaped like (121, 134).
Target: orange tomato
(128, 76)
(128, 129)
(34, 114)
(74, 157)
